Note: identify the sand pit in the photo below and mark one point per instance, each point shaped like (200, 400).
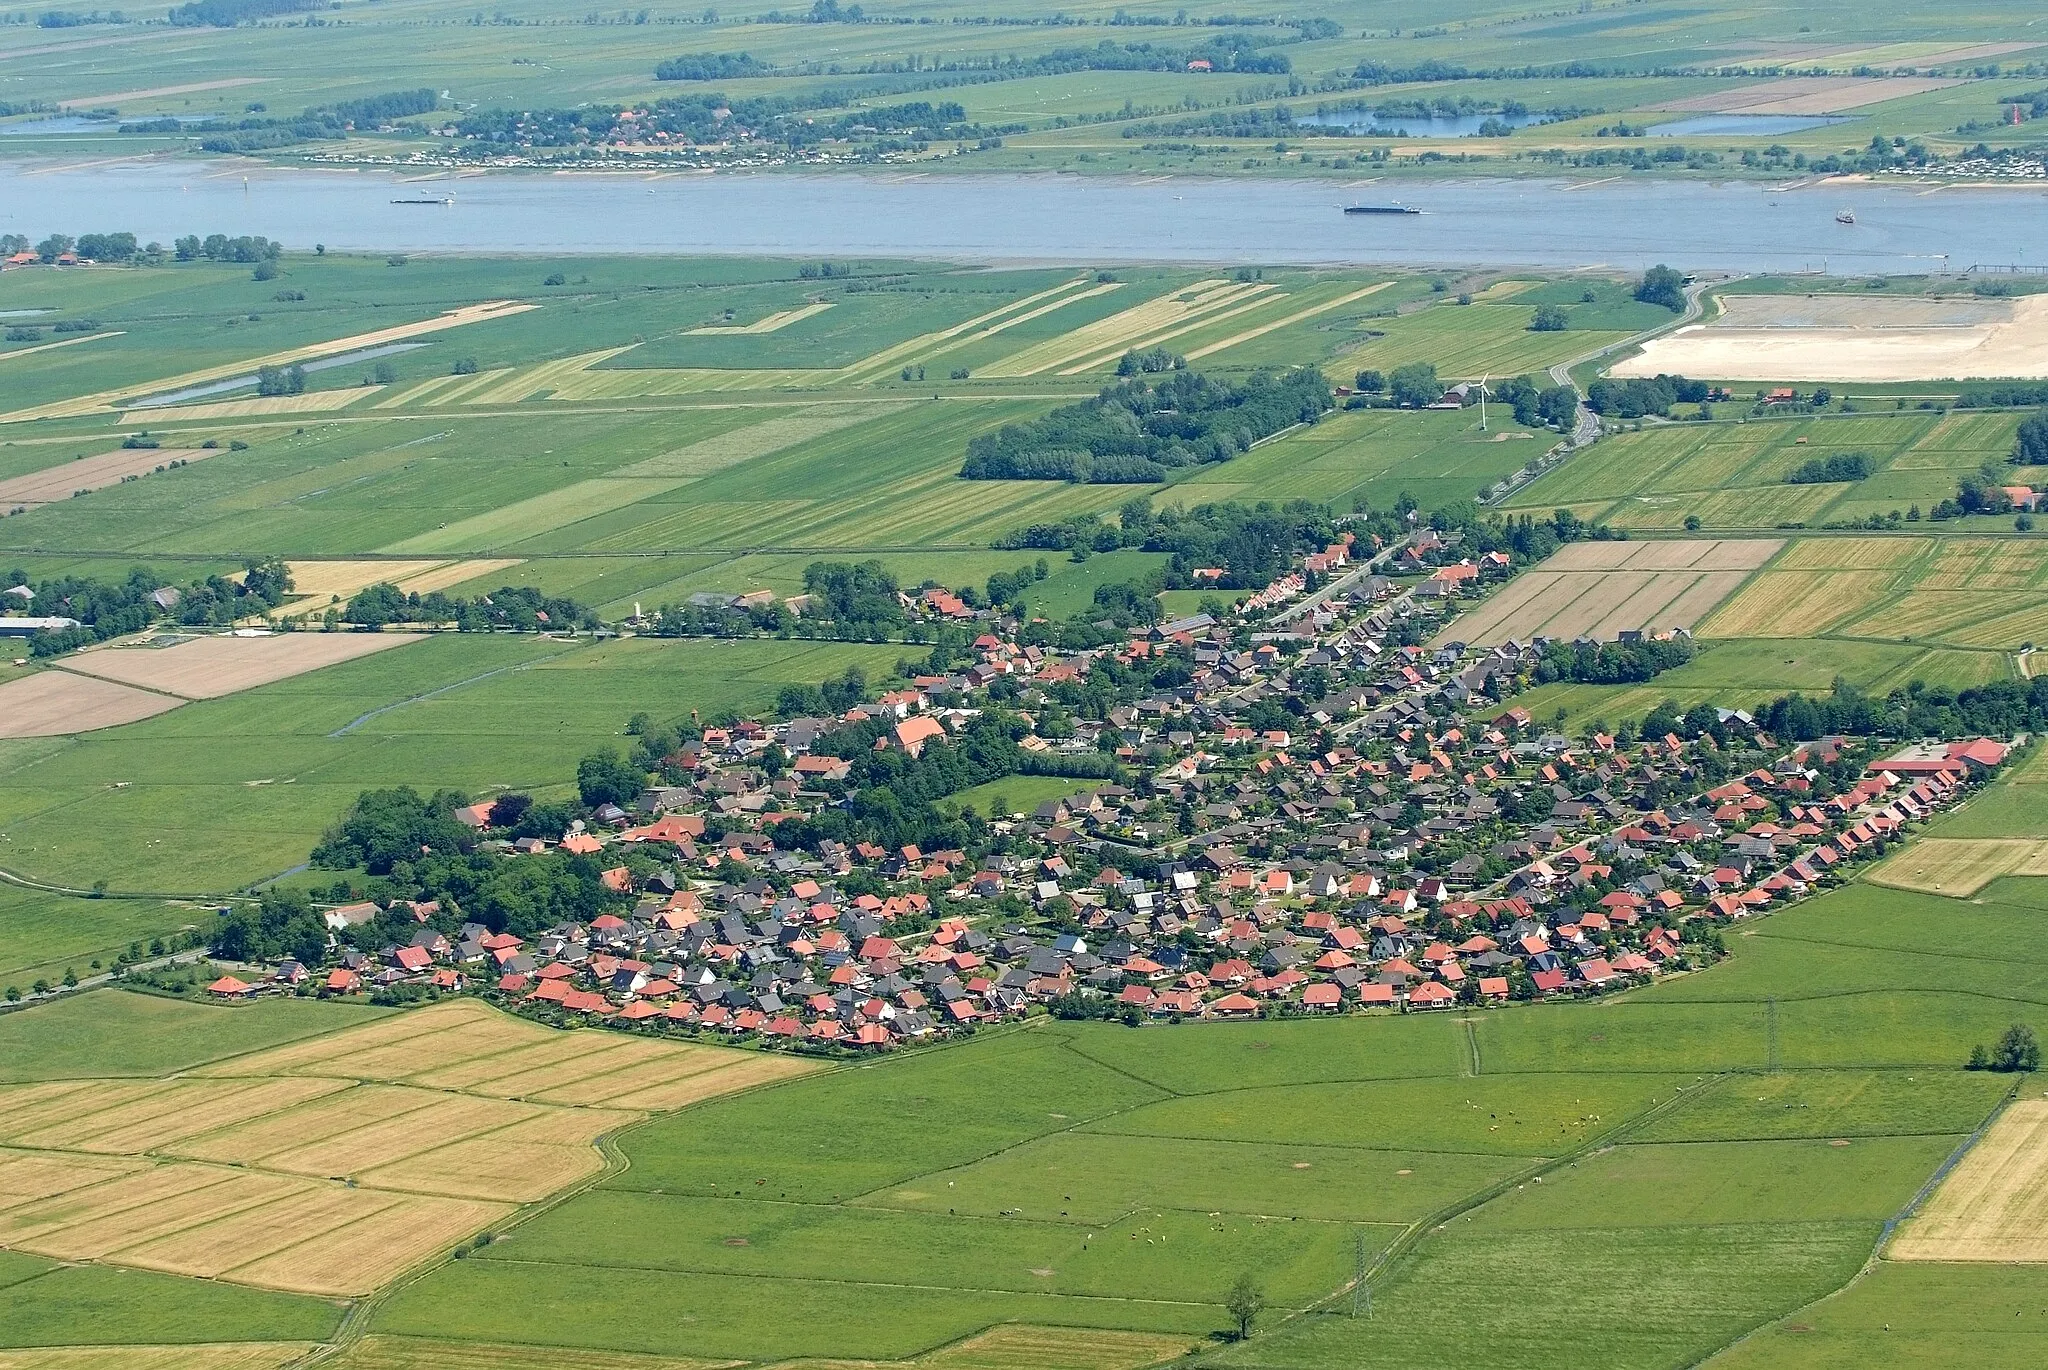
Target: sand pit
(1994, 1205)
(1959, 867)
(56, 483)
(1808, 94)
(1602, 589)
(57, 703)
(209, 667)
(1850, 338)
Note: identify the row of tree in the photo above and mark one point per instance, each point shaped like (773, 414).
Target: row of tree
(520, 608)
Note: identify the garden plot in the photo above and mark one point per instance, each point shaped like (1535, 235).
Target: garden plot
(1854, 339)
(57, 703)
(55, 483)
(1603, 589)
(1994, 1205)
(209, 667)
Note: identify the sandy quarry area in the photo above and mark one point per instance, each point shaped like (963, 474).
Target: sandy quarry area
(1808, 94)
(54, 483)
(1994, 1205)
(208, 667)
(1603, 589)
(1851, 338)
(56, 703)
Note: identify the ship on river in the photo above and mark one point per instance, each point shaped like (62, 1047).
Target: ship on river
(1395, 207)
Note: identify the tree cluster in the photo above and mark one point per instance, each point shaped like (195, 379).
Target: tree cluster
(107, 609)
(1632, 399)
(1137, 430)
(522, 609)
(1833, 468)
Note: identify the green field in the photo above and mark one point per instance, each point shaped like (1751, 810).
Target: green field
(1741, 673)
(1731, 476)
(1707, 1157)
(230, 791)
(1065, 1166)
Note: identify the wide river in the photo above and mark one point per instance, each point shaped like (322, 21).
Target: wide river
(1623, 222)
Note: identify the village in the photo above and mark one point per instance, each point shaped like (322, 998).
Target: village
(1407, 843)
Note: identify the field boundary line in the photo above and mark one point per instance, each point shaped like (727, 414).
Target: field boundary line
(1876, 1257)
(1436, 1221)
(353, 724)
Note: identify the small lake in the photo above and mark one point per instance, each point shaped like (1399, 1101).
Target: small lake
(1620, 221)
(1743, 125)
(1365, 122)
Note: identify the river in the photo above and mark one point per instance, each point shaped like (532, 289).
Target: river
(1623, 222)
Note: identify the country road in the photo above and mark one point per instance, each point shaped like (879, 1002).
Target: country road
(1586, 424)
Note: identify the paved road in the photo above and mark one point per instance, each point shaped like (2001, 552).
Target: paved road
(1287, 613)
(1586, 427)
(107, 977)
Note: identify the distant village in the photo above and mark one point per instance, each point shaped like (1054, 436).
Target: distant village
(1410, 843)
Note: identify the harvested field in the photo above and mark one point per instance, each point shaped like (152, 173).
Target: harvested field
(352, 1107)
(171, 1114)
(1602, 589)
(1808, 94)
(39, 1225)
(57, 703)
(1243, 300)
(1705, 554)
(92, 473)
(759, 1070)
(1852, 338)
(344, 578)
(31, 1175)
(773, 323)
(488, 1168)
(227, 1355)
(369, 1252)
(211, 1250)
(1796, 603)
(209, 667)
(1994, 1205)
(443, 1120)
(1959, 867)
(256, 407)
(229, 1193)
(263, 1141)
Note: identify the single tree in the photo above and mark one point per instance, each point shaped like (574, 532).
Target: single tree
(2017, 1050)
(1244, 1303)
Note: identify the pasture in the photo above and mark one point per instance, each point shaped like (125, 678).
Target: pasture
(1044, 1171)
(223, 792)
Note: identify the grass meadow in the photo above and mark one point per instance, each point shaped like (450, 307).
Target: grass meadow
(224, 792)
